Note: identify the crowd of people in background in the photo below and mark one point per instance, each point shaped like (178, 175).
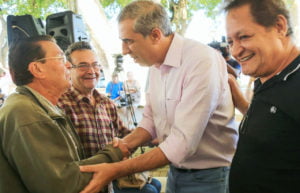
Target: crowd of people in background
(126, 92)
(58, 133)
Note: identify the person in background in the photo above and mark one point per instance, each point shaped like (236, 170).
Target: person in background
(267, 158)
(133, 88)
(114, 88)
(94, 116)
(233, 67)
(188, 107)
(232, 62)
(101, 81)
(40, 150)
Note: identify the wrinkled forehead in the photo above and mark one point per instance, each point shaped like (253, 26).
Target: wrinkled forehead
(238, 19)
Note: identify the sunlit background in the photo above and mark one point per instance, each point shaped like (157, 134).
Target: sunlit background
(105, 33)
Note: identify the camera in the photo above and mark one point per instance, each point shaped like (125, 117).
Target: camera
(125, 99)
(221, 46)
(118, 63)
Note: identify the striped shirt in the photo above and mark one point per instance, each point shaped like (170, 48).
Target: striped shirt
(96, 125)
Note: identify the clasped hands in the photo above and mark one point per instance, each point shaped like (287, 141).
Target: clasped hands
(104, 173)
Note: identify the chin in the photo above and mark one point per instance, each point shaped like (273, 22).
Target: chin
(249, 73)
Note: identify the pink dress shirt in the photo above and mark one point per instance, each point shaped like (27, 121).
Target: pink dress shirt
(189, 107)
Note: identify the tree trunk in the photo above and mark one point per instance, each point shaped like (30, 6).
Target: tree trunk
(179, 18)
(100, 31)
(3, 43)
(295, 14)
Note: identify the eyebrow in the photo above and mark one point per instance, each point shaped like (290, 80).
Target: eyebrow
(233, 35)
(95, 62)
(126, 40)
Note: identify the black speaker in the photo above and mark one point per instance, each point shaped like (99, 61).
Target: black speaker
(67, 28)
(19, 27)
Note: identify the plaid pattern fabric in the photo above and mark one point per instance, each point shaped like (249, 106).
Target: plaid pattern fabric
(95, 125)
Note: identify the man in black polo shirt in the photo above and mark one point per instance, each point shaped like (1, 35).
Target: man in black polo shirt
(267, 159)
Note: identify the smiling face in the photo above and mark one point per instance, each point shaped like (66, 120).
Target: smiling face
(135, 44)
(84, 80)
(258, 49)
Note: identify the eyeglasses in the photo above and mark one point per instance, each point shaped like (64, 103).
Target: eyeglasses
(62, 58)
(87, 66)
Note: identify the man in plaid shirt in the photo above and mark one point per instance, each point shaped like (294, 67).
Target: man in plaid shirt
(93, 114)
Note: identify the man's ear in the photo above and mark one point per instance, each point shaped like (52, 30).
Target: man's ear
(156, 34)
(36, 69)
(282, 25)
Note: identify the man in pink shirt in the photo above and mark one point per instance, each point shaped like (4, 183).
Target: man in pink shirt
(189, 107)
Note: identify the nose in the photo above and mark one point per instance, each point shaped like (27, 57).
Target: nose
(125, 49)
(91, 70)
(68, 65)
(236, 49)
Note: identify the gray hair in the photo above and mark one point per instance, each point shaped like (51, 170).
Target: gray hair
(148, 15)
(82, 45)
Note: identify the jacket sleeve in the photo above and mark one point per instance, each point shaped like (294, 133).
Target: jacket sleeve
(47, 160)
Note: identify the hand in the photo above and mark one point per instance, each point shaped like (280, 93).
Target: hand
(117, 142)
(102, 176)
(239, 100)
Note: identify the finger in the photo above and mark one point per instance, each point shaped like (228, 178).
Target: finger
(88, 168)
(115, 142)
(94, 186)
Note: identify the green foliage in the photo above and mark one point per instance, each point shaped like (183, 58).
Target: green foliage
(36, 8)
(120, 3)
(112, 7)
(42, 8)
(289, 3)
(209, 6)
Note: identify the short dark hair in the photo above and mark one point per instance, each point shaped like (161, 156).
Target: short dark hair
(264, 12)
(82, 45)
(147, 15)
(22, 53)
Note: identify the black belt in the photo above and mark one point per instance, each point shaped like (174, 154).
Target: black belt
(183, 170)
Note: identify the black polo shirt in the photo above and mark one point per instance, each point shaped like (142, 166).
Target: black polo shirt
(267, 159)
